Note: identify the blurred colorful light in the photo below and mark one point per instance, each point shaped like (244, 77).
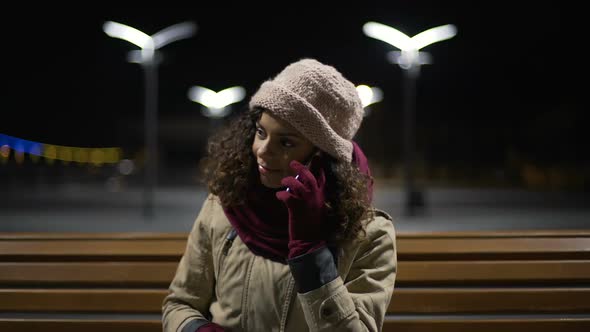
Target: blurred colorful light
(51, 152)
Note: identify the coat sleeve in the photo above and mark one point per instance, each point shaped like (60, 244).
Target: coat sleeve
(190, 293)
(358, 303)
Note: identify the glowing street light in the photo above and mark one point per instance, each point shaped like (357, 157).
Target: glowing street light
(369, 96)
(149, 59)
(215, 104)
(410, 59)
(410, 55)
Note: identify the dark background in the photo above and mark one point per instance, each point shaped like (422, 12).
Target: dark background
(505, 100)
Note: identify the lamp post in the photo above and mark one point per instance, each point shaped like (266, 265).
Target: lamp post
(215, 105)
(149, 59)
(410, 59)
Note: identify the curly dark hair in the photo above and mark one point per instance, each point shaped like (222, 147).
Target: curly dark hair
(229, 172)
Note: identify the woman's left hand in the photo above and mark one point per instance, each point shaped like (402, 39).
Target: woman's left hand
(305, 201)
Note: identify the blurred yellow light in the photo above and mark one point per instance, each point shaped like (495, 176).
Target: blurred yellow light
(76, 155)
(5, 151)
(65, 154)
(97, 157)
(4, 154)
(112, 155)
(49, 152)
(81, 155)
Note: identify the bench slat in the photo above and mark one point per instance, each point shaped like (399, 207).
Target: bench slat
(493, 272)
(489, 300)
(424, 247)
(462, 324)
(78, 325)
(95, 273)
(82, 300)
(16, 236)
(55, 250)
(495, 248)
(436, 272)
(520, 233)
(466, 324)
(406, 300)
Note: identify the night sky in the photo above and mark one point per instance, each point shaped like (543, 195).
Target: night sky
(513, 79)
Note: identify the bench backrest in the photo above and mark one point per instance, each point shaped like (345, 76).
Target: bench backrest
(446, 281)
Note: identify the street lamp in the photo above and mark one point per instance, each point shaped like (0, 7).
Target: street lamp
(369, 96)
(215, 105)
(149, 60)
(410, 59)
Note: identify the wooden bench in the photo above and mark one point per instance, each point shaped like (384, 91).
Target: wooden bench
(454, 281)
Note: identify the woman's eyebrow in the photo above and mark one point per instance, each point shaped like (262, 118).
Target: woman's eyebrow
(281, 133)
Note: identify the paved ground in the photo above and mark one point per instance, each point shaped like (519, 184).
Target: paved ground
(94, 208)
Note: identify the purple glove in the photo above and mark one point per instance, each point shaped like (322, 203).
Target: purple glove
(305, 201)
(210, 327)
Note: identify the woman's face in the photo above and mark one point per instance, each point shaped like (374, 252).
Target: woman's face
(275, 144)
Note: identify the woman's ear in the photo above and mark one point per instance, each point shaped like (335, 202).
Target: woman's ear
(318, 162)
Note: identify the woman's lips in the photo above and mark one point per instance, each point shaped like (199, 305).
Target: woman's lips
(264, 170)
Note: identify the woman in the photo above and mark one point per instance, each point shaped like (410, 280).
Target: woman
(287, 239)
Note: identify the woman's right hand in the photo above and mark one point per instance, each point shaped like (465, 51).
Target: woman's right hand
(308, 229)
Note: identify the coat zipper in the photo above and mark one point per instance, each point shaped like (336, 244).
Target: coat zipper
(229, 240)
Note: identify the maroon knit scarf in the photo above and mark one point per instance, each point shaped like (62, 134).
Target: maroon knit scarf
(263, 222)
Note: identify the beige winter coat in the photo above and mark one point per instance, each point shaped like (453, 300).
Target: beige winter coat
(227, 284)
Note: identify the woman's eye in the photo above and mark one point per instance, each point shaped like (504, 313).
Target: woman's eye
(287, 143)
(260, 132)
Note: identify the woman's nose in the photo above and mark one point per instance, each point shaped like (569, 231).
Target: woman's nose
(265, 148)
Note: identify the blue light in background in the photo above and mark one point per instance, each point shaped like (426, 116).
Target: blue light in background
(21, 145)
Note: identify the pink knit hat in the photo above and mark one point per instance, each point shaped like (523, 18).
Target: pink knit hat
(316, 100)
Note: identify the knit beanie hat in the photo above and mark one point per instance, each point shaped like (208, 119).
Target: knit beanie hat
(316, 100)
